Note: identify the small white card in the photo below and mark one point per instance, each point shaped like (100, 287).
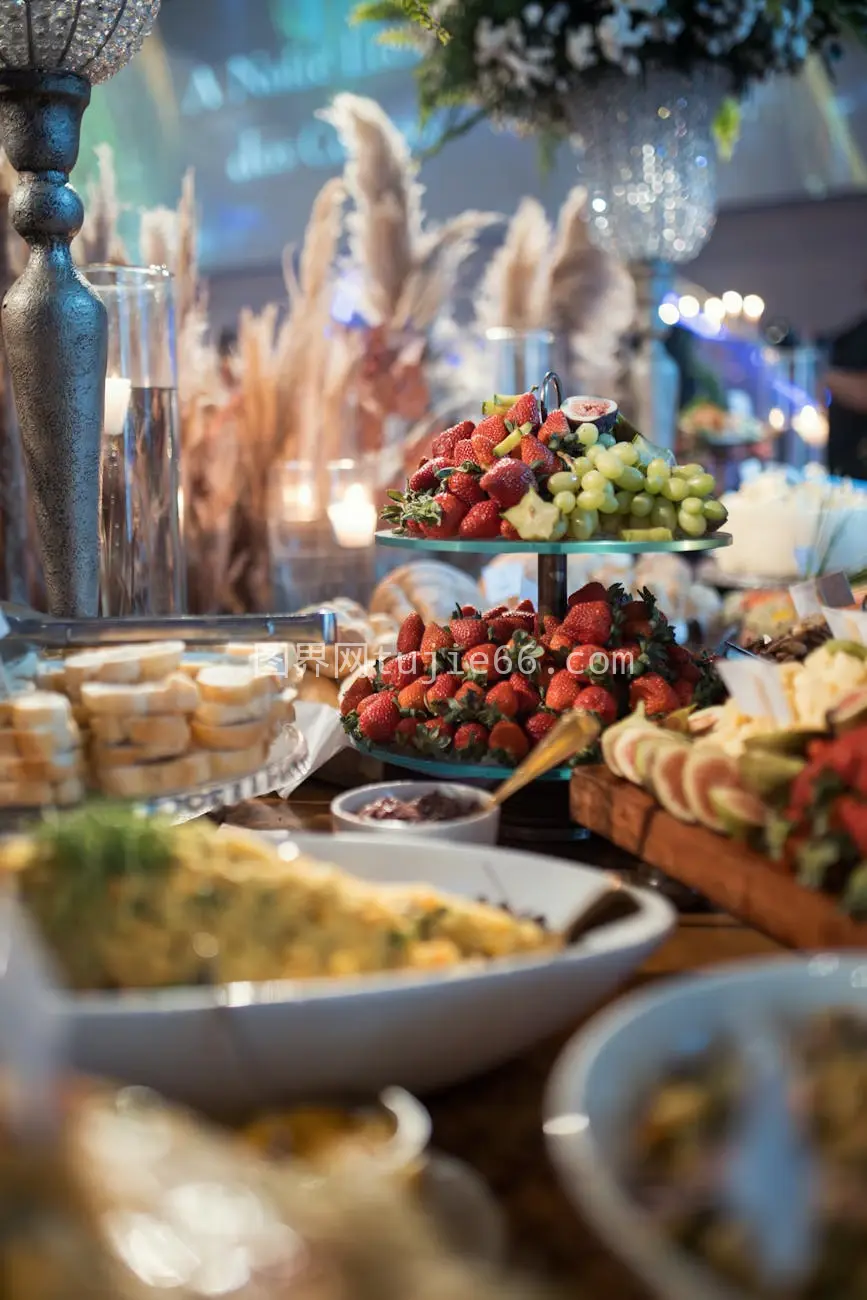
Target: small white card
(757, 688)
(831, 589)
(847, 624)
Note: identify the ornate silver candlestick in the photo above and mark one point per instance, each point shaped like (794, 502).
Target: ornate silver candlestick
(54, 325)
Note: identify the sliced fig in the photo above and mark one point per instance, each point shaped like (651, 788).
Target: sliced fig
(769, 775)
(626, 748)
(707, 769)
(741, 813)
(648, 750)
(850, 713)
(610, 734)
(679, 721)
(836, 646)
(668, 786)
(704, 721)
(792, 742)
(600, 411)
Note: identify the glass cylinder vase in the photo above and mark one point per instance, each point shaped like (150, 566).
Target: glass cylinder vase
(518, 359)
(143, 565)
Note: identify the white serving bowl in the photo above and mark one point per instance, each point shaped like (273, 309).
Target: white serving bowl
(612, 1063)
(480, 827)
(240, 1047)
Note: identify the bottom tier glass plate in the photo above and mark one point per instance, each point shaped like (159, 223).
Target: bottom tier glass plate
(454, 770)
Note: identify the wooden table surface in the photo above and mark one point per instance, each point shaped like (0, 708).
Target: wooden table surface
(494, 1122)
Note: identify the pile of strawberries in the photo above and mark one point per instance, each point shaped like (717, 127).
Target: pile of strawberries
(489, 685)
(462, 488)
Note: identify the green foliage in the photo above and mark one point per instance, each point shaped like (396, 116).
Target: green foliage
(99, 842)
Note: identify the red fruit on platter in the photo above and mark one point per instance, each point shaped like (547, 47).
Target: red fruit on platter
(450, 513)
(538, 726)
(525, 606)
(494, 612)
(466, 488)
(588, 623)
(507, 743)
(435, 639)
(542, 460)
(503, 700)
(560, 640)
(684, 690)
(471, 740)
(444, 443)
(500, 629)
(359, 690)
(509, 531)
(469, 611)
(588, 661)
(492, 428)
(410, 634)
(426, 477)
(556, 426)
(595, 699)
(590, 591)
(654, 693)
(508, 482)
(464, 453)
(483, 662)
(561, 692)
(402, 670)
(526, 414)
(471, 696)
(434, 736)
(412, 698)
(441, 690)
(528, 697)
(682, 662)
(626, 659)
(380, 720)
(486, 437)
(468, 632)
(482, 521)
(405, 731)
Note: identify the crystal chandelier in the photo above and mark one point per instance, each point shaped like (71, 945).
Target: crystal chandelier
(54, 325)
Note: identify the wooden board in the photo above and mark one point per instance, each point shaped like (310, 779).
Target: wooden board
(744, 883)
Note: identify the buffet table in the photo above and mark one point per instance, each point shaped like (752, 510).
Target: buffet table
(493, 1123)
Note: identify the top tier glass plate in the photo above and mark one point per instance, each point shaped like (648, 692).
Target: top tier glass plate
(604, 546)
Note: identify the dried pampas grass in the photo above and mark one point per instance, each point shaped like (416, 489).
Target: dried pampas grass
(99, 241)
(512, 292)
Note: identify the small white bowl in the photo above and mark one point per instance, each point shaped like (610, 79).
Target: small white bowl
(479, 827)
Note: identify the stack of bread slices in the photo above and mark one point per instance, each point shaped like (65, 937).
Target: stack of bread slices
(41, 755)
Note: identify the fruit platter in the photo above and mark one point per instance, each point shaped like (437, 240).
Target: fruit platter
(475, 694)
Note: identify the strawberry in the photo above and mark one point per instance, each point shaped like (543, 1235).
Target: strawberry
(684, 690)
(412, 698)
(589, 622)
(539, 725)
(655, 693)
(561, 692)
(507, 743)
(525, 413)
(380, 719)
(467, 632)
(483, 662)
(493, 428)
(471, 694)
(627, 659)
(494, 612)
(635, 619)
(523, 620)
(444, 443)
(471, 740)
(560, 640)
(426, 477)
(556, 426)
(464, 453)
(683, 663)
(434, 736)
(450, 512)
(500, 629)
(410, 634)
(434, 639)
(469, 611)
(486, 437)
(441, 691)
(595, 699)
(412, 527)
(358, 691)
(402, 670)
(405, 731)
(590, 591)
(525, 606)
(541, 458)
(501, 701)
(368, 699)
(466, 488)
(526, 693)
(508, 482)
(509, 531)
(481, 521)
(546, 625)
(587, 662)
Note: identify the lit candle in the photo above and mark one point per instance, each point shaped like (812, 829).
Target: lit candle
(354, 518)
(117, 395)
(811, 426)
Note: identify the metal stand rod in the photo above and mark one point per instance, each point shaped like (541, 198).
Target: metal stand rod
(552, 584)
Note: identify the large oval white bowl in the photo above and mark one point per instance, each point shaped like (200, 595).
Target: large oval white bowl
(611, 1064)
(242, 1046)
(480, 826)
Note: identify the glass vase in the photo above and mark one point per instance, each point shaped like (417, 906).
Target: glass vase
(143, 564)
(518, 359)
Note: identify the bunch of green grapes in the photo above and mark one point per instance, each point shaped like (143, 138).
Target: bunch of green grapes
(609, 490)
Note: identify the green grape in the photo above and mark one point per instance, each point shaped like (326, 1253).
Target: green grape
(642, 504)
(635, 522)
(588, 434)
(714, 511)
(688, 471)
(560, 529)
(630, 479)
(590, 500)
(627, 453)
(609, 504)
(607, 440)
(659, 467)
(664, 515)
(691, 505)
(692, 525)
(609, 465)
(582, 465)
(700, 485)
(594, 451)
(583, 524)
(564, 481)
(594, 481)
(565, 502)
(654, 483)
(675, 489)
(611, 524)
(624, 502)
